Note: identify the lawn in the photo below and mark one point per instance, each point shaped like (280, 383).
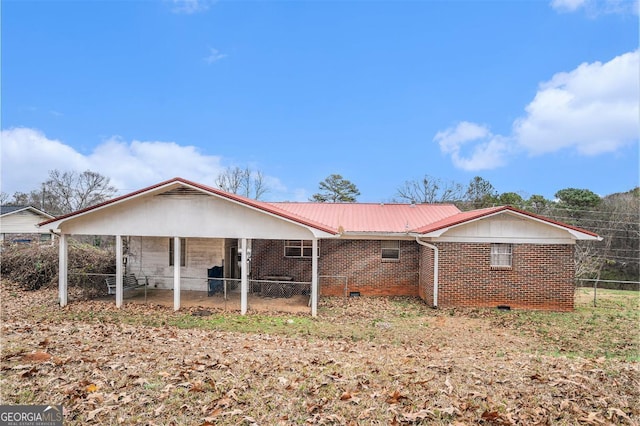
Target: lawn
(362, 361)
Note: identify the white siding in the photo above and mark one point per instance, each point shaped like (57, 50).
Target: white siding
(149, 256)
(507, 228)
(184, 216)
(22, 222)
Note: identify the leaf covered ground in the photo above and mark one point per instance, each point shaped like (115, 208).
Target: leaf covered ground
(362, 361)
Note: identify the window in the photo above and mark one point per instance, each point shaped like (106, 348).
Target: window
(390, 250)
(298, 248)
(183, 251)
(501, 255)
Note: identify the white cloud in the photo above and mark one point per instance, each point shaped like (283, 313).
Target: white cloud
(133, 165)
(484, 149)
(28, 155)
(596, 7)
(189, 7)
(592, 110)
(567, 5)
(214, 56)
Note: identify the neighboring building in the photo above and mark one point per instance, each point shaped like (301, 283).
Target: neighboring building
(19, 224)
(177, 230)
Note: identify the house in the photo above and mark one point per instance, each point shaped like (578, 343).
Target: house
(177, 231)
(19, 224)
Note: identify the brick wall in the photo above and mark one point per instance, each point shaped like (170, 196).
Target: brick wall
(359, 261)
(425, 286)
(541, 277)
(267, 258)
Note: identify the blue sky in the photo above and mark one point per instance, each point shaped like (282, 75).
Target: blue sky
(533, 96)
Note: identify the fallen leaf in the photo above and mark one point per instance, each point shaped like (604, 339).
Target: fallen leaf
(37, 356)
(345, 396)
(592, 419)
(395, 397)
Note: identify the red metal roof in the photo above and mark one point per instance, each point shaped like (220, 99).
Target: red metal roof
(377, 218)
(337, 218)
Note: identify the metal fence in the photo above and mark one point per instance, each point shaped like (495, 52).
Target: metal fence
(280, 289)
(608, 284)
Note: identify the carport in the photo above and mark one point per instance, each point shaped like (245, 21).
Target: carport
(178, 209)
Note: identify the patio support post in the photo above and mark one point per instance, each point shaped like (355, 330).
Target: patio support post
(119, 286)
(62, 270)
(314, 277)
(176, 273)
(244, 284)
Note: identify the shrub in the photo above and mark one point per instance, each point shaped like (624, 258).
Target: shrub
(35, 266)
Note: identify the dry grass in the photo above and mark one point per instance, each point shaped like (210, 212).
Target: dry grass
(368, 361)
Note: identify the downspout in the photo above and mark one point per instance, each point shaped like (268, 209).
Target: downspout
(435, 269)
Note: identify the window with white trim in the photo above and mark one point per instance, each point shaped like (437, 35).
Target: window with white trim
(501, 255)
(299, 248)
(183, 252)
(390, 249)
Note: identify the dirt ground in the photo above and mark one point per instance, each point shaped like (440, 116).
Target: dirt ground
(362, 361)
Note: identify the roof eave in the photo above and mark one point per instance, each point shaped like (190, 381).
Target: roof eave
(575, 232)
(34, 209)
(317, 229)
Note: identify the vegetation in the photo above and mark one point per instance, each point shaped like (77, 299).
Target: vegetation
(362, 361)
(34, 266)
(336, 189)
(246, 182)
(429, 190)
(615, 217)
(65, 192)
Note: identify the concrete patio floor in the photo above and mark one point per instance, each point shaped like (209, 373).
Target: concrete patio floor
(190, 299)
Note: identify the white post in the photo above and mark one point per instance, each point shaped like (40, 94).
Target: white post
(119, 284)
(244, 284)
(314, 277)
(62, 270)
(176, 273)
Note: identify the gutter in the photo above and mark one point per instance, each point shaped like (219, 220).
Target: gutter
(435, 269)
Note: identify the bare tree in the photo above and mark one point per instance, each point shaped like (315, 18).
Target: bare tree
(69, 191)
(429, 190)
(65, 192)
(230, 179)
(245, 182)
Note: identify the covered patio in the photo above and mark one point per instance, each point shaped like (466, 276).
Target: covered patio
(173, 214)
